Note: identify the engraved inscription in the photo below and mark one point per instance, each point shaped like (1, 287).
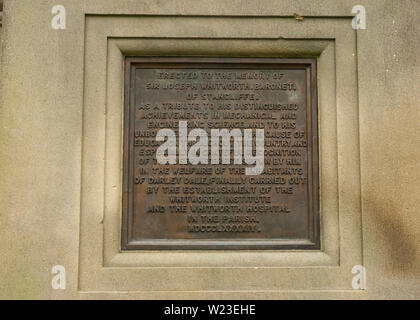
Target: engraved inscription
(220, 154)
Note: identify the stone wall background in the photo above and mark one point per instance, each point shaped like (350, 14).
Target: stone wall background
(41, 128)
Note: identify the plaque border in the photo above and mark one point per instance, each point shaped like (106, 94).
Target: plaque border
(313, 242)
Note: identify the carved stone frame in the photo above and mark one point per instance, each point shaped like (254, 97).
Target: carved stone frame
(103, 267)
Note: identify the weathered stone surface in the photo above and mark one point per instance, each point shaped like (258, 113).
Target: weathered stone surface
(51, 122)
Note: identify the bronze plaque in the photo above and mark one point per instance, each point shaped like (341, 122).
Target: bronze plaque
(220, 153)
